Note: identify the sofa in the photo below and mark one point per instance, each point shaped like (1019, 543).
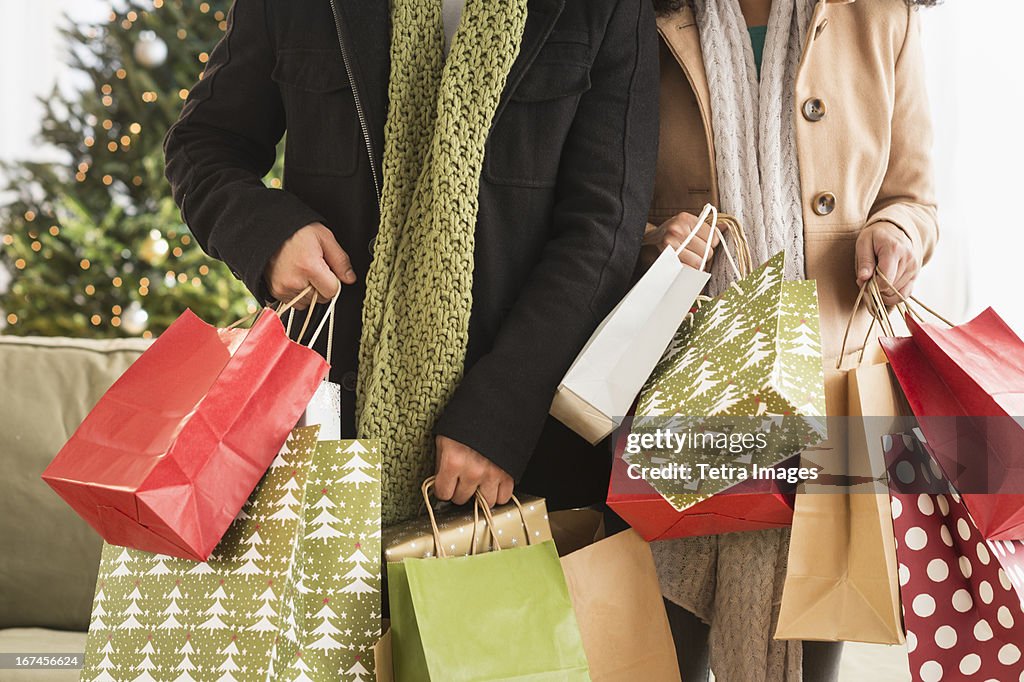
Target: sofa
(48, 556)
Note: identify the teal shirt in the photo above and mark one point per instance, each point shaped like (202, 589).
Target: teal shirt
(757, 38)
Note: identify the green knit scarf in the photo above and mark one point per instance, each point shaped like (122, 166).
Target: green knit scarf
(419, 288)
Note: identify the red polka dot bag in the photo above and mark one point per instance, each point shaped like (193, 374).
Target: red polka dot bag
(961, 593)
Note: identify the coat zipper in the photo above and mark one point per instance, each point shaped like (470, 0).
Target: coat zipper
(358, 101)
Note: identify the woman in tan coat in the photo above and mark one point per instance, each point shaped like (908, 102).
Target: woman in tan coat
(808, 121)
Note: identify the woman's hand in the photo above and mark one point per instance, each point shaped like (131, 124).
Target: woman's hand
(889, 248)
(672, 233)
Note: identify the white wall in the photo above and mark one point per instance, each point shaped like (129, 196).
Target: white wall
(977, 90)
(32, 59)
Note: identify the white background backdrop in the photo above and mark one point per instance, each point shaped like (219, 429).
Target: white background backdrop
(974, 57)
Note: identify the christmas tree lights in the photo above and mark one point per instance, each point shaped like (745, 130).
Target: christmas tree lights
(94, 243)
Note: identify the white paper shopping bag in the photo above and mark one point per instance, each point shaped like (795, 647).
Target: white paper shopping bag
(612, 368)
(324, 408)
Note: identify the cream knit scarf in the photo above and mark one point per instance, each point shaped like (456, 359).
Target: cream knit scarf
(419, 288)
(755, 141)
(734, 581)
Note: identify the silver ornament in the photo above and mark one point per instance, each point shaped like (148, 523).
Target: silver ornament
(150, 50)
(135, 319)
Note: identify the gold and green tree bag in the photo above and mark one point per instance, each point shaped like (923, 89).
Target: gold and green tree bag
(746, 362)
(291, 594)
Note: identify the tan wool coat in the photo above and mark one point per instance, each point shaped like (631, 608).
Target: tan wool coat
(863, 140)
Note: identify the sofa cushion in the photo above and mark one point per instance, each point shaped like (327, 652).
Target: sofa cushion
(50, 556)
(41, 641)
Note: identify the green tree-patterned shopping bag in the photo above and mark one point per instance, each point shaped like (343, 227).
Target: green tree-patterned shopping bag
(746, 362)
(292, 593)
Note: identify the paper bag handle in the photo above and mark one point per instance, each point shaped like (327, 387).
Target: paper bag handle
(742, 263)
(328, 318)
(701, 219)
(289, 307)
(870, 295)
(904, 305)
(480, 504)
(867, 296)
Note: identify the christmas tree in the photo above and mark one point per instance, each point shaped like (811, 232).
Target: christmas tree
(216, 610)
(358, 575)
(131, 622)
(94, 243)
(326, 629)
(324, 530)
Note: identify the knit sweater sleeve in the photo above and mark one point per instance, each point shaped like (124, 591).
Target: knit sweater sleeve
(604, 191)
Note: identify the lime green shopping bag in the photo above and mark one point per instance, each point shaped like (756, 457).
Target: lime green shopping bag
(503, 615)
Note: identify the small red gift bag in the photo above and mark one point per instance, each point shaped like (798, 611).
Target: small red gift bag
(754, 504)
(170, 453)
(965, 384)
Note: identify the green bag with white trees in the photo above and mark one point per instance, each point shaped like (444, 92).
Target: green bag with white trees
(291, 594)
(746, 363)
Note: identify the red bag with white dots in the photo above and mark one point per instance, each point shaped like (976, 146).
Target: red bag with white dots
(961, 594)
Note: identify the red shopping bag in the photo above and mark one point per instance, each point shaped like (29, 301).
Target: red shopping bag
(173, 449)
(961, 594)
(981, 361)
(754, 504)
(964, 398)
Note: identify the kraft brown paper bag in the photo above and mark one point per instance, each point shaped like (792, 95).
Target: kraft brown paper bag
(842, 582)
(574, 529)
(382, 657)
(620, 611)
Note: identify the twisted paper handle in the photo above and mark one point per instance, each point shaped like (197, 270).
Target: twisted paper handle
(870, 295)
(479, 505)
(905, 306)
(742, 263)
(289, 307)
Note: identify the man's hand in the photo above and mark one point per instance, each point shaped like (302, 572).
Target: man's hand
(461, 470)
(888, 247)
(310, 256)
(672, 233)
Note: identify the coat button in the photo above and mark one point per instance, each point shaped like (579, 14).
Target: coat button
(372, 245)
(824, 203)
(348, 381)
(814, 109)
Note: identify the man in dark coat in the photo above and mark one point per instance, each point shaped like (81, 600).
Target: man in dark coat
(563, 198)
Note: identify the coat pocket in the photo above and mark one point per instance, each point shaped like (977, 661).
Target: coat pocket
(525, 145)
(323, 126)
